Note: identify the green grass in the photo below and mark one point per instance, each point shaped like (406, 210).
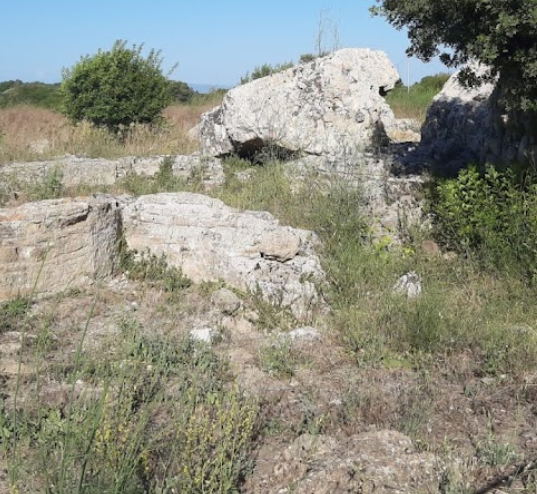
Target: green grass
(462, 307)
(410, 104)
(160, 413)
(413, 102)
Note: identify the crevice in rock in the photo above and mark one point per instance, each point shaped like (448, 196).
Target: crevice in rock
(260, 151)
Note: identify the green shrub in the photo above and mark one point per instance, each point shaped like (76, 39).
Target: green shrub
(491, 215)
(181, 92)
(116, 88)
(212, 98)
(153, 270)
(265, 70)
(434, 82)
(307, 57)
(5, 85)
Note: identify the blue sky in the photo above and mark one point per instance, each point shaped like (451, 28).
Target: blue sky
(213, 41)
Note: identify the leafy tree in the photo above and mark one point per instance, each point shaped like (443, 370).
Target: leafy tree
(181, 91)
(502, 34)
(116, 88)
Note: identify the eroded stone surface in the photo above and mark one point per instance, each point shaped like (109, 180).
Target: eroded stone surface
(75, 170)
(49, 246)
(378, 462)
(466, 125)
(211, 241)
(320, 107)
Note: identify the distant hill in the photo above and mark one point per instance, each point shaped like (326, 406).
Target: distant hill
(17, 92)
(29, 93)
(207, 88)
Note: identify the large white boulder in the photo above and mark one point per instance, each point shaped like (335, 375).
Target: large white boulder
(323, 107)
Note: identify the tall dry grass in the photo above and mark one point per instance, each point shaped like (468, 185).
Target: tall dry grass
(29, 133)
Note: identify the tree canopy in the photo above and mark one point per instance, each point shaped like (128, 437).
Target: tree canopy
(116, 88)
(501, 34)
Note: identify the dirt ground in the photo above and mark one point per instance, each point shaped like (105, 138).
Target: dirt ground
(480, 429)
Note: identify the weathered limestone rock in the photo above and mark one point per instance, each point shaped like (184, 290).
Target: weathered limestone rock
(374, 462)
(465, 125)
(226, 301)
(390, 201)
(409, 284)
(210, 241)
(320, 107)
(462, 125)
(403, 130)
(48, 246)
(75, 170)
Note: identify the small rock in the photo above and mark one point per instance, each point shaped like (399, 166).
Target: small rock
(280, 245)
(430, 248)
(244, 176)
(409, 285)
(306, 333)
(226, 301)
(204, 335)
(252, 316)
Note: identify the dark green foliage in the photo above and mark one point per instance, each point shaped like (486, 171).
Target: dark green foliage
(265, 70)
(13, 313)
(181, 92)
(116, 88)
(498, 33)
(307, 57)
(5, 85)
(491, 215)
(14, 93)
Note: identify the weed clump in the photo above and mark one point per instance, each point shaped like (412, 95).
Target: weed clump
(149, 414)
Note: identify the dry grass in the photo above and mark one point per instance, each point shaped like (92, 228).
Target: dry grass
(28, 133)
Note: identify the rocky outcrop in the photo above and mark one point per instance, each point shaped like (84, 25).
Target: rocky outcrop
(465, 125)
(75, 170)
(323, 107)
(391, 201)
(49, 246)
(210, 241)
(374, 462)
(462, 125)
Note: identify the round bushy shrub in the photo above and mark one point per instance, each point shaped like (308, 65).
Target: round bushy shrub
(116, 88)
